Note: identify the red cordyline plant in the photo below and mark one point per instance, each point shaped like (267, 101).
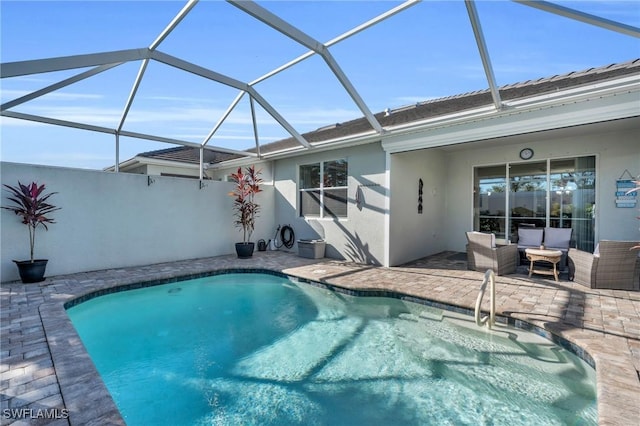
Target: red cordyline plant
(246, 209)
(31, 205)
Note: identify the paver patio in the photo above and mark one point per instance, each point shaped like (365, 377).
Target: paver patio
(44, 365)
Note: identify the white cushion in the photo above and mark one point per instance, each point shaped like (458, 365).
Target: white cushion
(493, 237)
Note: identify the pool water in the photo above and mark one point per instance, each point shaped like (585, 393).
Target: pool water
(258, 349)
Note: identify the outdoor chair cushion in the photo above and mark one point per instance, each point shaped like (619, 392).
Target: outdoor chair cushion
(530, 237)
(557, 238)
(484, 238)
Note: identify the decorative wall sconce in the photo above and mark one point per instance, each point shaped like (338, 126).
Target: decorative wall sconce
(202, 184)
(150, 181)
(359, 195)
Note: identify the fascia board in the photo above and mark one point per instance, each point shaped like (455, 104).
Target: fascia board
(365, 138)
(238, 162)
(596, 90)
(517, 120)
(125, 164)
(139, 161)
(593, 91)
(167, 163)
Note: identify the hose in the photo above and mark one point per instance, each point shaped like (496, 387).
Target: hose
(287, 236)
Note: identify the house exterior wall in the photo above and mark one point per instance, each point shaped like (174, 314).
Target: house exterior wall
(447, 175)
(615, 151)
(360, 237)
(413, 235)
(112, 220)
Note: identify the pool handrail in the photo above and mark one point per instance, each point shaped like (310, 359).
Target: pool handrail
(490, 320)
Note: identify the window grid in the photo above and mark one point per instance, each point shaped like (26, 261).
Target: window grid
(323, 203)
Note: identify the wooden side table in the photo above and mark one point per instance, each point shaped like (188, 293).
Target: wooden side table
(544, 255)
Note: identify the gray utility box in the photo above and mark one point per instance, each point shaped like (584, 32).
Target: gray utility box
(312, 249)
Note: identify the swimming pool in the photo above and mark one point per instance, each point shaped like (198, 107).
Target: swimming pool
(263, 349)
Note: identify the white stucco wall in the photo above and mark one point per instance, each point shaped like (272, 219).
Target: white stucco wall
(115, 219)
(415, 235)
(615, 151)
(360, 237)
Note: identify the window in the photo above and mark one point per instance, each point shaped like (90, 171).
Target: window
(323, 189)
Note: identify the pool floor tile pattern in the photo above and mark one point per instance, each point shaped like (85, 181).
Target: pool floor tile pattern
(45, 370)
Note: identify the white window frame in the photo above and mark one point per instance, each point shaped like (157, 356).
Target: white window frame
(322, 191)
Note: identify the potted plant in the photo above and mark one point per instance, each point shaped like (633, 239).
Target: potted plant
(247, 185)
(32, 206)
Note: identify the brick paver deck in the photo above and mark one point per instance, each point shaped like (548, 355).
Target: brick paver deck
(45, 371)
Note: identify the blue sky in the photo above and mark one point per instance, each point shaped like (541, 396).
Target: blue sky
(425, 52)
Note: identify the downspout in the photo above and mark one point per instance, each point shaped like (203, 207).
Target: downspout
(201, 163)
(117, 167)
(387, 209)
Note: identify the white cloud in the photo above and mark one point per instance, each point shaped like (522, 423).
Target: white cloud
(80, 160)
(246, 138)
(176, 99)
(52, 96)
(79, 114)
(196, 121)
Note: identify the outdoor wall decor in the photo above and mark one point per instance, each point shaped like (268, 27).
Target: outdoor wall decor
(623, 185)
(359, 198)
(420, 185)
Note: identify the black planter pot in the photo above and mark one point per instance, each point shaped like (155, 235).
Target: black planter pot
(31, 272)
(244, 250)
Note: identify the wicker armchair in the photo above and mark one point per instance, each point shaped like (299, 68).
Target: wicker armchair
(483, 254)
(613, 266)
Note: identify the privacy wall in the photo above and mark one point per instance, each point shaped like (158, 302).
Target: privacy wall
(111, 220)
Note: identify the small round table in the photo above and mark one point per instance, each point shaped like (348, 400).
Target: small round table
(544, 255)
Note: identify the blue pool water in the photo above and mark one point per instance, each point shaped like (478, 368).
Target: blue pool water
(257, 349)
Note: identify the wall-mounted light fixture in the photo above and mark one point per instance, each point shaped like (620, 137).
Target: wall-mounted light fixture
(150, 181)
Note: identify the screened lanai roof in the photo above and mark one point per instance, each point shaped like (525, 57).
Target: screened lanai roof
(231, 77)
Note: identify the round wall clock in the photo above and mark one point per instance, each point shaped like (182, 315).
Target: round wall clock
(526, 153)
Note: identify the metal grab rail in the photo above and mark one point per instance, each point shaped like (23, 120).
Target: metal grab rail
(490, 278)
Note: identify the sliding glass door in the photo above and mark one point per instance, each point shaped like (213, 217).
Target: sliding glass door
(489, 203)
(527, 195)
(558, 193)
(573, 198)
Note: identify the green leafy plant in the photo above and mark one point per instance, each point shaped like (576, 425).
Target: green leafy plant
(246, 209)
(32, 206)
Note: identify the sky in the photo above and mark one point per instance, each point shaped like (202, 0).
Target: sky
(425, 52)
